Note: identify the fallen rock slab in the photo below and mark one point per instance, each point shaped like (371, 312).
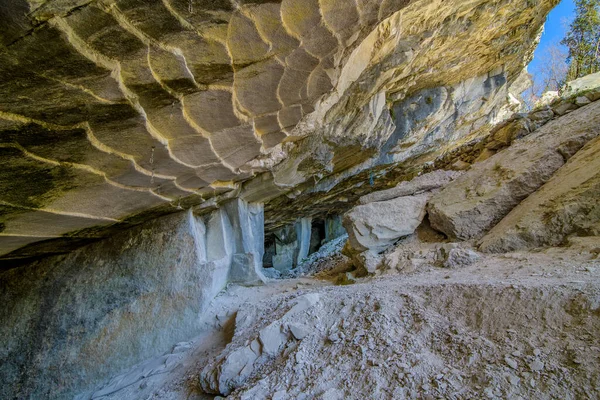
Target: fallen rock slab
(471, 205)
(375, 226)
(568, 203)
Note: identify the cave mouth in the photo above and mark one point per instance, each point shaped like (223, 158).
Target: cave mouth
(289, 248)
(317, 235)
(269, 250)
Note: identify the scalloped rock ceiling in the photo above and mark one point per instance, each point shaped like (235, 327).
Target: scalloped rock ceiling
(112, 109)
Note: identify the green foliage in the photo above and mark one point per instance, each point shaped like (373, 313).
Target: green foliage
(583, 39)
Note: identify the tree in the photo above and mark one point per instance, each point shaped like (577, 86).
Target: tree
(583, 39)
(549, 74)
(551, 71)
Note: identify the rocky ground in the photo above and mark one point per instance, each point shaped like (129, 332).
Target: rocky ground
(516, 325)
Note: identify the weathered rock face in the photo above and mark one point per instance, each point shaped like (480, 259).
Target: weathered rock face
(69, 321)
(388, 215)
(248, 241)
(568, 203)
(420, 184)
(292, 244)
(505, 169)
(112, 109)
(478, 200)
(375, 226)
(333, 227)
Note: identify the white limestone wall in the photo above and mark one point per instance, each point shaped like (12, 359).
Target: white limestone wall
(68, 322)
(303, 232)
(248, 231)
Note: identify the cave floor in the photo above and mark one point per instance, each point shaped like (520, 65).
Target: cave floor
(527, 285)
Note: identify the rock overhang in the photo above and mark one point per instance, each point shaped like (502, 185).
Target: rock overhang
(114, 112)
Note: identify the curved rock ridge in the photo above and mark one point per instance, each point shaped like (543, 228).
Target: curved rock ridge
(115, 111)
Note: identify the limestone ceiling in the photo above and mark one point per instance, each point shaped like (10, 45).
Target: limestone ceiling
(110, 108)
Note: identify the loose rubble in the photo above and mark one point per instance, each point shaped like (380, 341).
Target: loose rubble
(476, 335)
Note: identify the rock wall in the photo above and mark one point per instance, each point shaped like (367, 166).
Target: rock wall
(292, 245)
(568, 203)
(479, 199)
(69, 321)
(247, 240)
(333, 227)
(532, 182)
(346, 160)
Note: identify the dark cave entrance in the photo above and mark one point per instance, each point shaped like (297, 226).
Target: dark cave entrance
(317, 235)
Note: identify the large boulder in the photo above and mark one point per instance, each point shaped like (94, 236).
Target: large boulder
(375, 226)
(588, 85)
(567, 203)
(475, 202)
(386, 216)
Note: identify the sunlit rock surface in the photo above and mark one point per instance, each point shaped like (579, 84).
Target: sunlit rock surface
(568, 203)
(473, 204)
(115, 112)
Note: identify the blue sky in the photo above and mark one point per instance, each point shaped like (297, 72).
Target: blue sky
(555, 29)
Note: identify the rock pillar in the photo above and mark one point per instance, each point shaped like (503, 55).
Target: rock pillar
(247, 221)
(303, 231)
(333, 227)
